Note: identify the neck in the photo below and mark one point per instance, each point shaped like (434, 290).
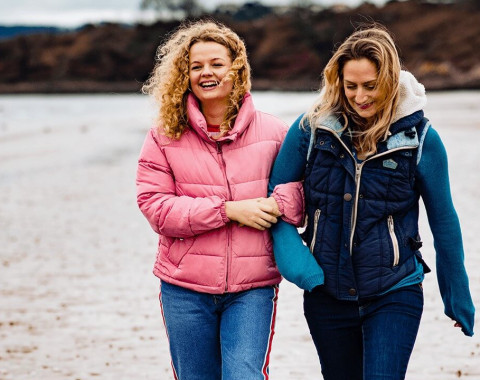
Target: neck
(214, 112)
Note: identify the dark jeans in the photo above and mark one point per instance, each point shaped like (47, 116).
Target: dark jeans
(365, 340)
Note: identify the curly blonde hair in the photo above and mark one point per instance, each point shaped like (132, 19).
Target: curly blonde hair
(169, 81)
(375, 44)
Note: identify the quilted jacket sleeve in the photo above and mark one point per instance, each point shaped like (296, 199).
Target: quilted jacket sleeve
(291, 202)
(167, 213)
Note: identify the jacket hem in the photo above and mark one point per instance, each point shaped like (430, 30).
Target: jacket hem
(216, 289)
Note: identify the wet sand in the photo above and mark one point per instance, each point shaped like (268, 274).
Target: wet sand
(78, 299)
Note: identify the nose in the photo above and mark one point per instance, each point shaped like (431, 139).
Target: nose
(207, 70)
(360, 95)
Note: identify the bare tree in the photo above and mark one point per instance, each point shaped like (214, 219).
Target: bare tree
(189, 7)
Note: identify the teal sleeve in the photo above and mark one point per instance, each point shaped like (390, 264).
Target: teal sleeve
(293, 258)
(445, 226)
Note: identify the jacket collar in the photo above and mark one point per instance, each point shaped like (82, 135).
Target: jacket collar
(402, 132)
(197, 121)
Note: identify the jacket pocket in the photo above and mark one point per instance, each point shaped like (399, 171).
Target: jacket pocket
(179, 249)
(393, 238)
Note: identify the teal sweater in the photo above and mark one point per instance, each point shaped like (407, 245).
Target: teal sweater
(298, 265)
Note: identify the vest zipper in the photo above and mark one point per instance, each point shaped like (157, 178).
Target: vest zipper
(229, 227)
(353, 221)
(396, 250)
(315, 224)
(358, 173)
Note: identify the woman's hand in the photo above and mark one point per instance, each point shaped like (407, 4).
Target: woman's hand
(259, 213)
(270, 201)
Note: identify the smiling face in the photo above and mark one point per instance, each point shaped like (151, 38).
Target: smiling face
(359, 85)
(209, 65)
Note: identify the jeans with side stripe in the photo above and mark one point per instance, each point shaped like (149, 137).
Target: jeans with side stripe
(225, 336)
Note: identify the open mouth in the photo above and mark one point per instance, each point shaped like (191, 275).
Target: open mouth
(209, 84)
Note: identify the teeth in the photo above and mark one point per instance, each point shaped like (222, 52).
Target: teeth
(209, 84)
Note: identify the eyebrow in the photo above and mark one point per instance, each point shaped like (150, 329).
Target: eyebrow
(213, 59)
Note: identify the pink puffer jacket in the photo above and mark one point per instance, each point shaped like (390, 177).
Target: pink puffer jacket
(182, 186)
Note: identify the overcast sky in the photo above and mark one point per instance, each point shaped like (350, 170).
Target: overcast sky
(71, 13)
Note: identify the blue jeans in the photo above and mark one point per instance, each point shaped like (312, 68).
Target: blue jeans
(365, 340)
(225, 336)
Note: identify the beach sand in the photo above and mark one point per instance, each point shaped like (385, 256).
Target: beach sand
(78, 299)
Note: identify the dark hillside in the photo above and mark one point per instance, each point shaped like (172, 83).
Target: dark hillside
(439, 43)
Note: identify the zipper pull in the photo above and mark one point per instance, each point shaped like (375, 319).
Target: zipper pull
(396, 248)
(390, 224)
(316, 217)
(357, 172)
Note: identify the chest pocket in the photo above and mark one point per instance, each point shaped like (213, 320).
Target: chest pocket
(389, 178)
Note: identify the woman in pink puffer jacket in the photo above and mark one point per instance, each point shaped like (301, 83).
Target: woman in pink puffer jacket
(202, 185)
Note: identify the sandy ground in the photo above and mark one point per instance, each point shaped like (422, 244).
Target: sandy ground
(77, 296)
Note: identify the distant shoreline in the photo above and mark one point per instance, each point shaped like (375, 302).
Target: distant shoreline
(92, 87)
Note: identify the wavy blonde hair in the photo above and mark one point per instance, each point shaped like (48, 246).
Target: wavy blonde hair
(375, 44)
(169, 81)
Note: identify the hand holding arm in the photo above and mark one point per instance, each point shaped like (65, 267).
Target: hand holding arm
(290, 200)
(259, 213)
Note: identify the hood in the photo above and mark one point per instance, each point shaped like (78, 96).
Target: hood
(412, 97)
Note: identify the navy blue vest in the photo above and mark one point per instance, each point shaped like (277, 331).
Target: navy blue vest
(363, 217)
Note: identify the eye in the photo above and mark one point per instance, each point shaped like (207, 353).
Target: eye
(370, 87)
(195, 67)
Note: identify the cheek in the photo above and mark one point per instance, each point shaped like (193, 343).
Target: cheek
(349, 95)
(191, 77)
(378, 96)
(224, 73)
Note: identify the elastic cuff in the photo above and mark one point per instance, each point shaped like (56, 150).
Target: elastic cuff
(279, 202)
(223, 212)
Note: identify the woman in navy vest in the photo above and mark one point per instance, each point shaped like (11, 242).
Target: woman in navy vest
(366, 154)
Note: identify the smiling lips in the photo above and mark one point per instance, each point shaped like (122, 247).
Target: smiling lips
(209, 84)
(364, 106)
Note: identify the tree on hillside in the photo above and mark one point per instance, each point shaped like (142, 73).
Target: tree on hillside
(190, 8)
(472, 4)
(301, 3)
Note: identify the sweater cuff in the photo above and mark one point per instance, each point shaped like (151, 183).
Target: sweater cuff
(311, 282)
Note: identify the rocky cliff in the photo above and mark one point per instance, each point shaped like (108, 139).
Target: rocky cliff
(439, 43)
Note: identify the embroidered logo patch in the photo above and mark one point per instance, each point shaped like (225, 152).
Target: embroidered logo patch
(390, 164)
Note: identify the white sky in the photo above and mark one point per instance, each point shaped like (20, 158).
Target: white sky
(71, 13)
